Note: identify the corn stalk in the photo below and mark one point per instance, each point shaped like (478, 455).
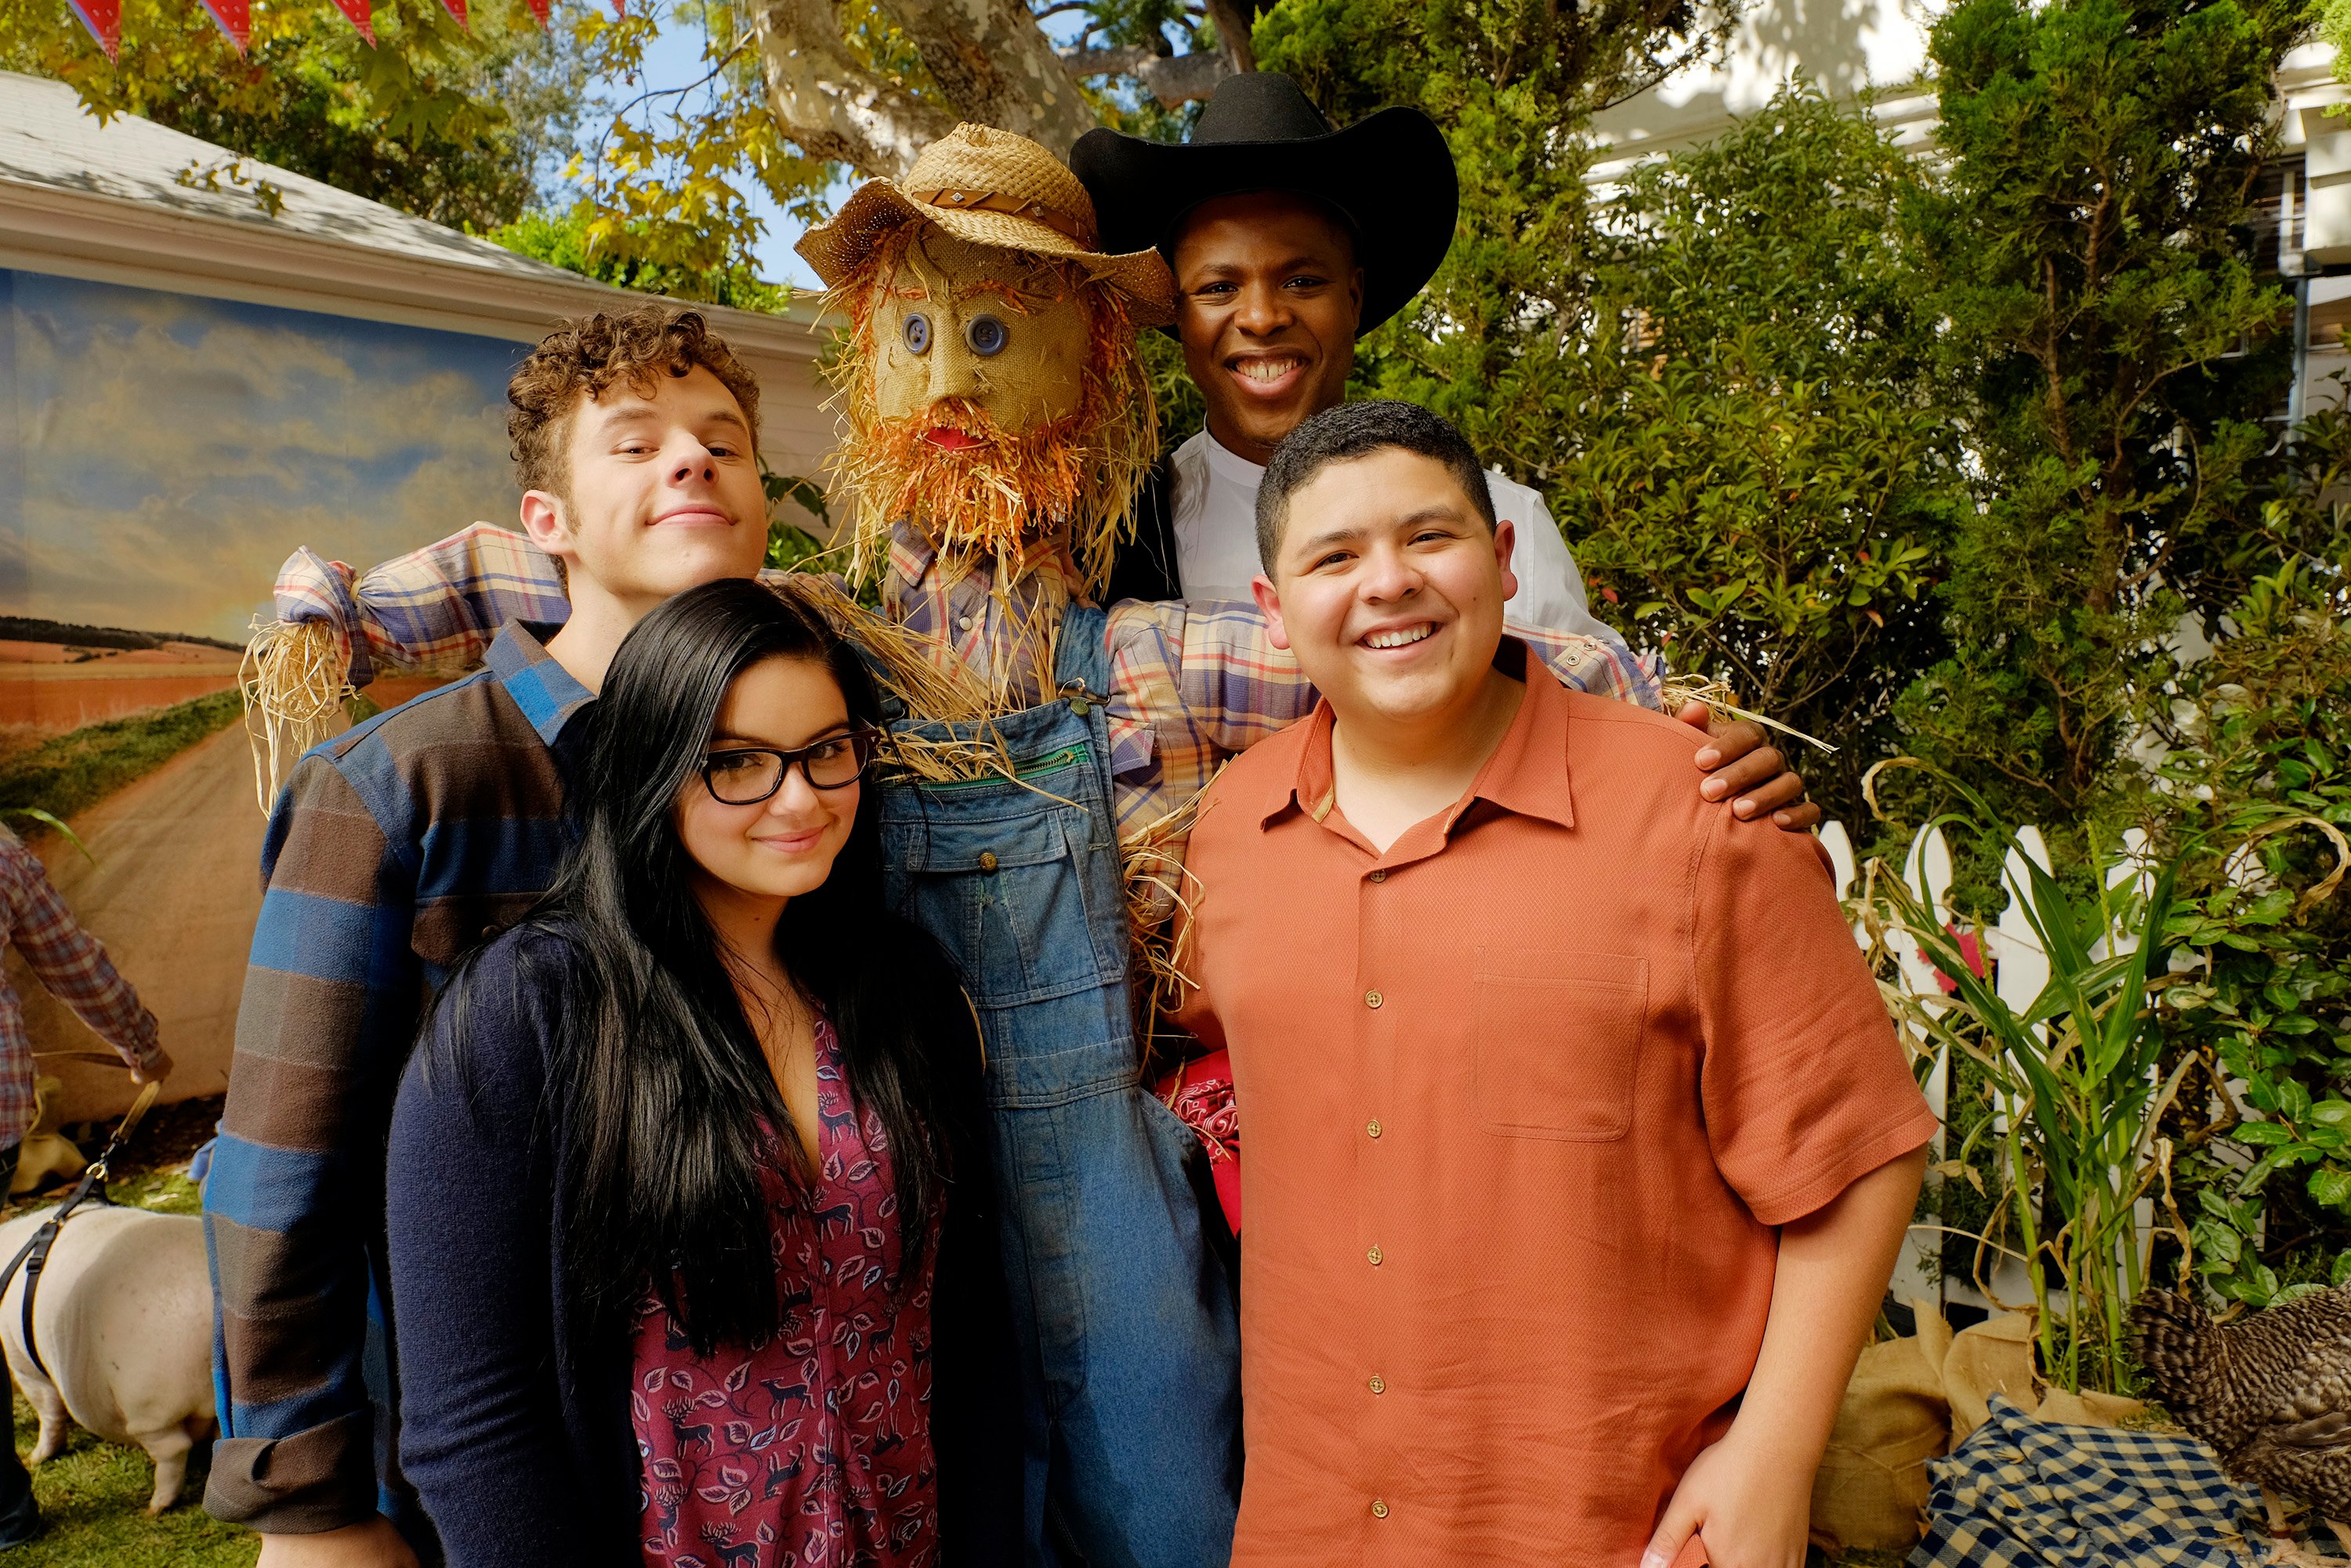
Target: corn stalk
(2077, 1072)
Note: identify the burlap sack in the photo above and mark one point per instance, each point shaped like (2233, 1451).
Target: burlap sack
(1871, 1490)
(1993, 1357)
(1913, 1400)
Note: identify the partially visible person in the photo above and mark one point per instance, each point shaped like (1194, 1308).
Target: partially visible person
(72, 967)
(394, 849)
(1570, 1202)
(691, 1221)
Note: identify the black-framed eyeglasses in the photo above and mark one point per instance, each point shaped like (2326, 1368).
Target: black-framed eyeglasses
(747, 775)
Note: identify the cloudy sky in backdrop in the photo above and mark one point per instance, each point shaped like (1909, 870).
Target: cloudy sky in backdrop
(158, 452)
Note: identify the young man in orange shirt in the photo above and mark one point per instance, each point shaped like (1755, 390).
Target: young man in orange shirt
(1570, 1203)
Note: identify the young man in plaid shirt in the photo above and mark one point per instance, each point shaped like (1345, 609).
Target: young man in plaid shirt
(68, 961)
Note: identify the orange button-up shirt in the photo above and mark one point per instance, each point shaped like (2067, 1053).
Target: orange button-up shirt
(1523, 1100)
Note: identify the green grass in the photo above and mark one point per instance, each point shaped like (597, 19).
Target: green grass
(93, 1502)
(77, 769)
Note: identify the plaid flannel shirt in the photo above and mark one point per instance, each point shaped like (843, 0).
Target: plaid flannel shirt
(394, 848)
(69, 962)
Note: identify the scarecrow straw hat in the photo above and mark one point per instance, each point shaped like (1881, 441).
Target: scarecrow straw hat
(992, 188)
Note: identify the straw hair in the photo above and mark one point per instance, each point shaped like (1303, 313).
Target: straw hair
(976, 164)
(295, 676)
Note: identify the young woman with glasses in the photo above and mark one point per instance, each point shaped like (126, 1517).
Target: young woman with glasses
(688, 1179)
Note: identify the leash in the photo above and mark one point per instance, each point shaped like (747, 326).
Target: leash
(34, 1256)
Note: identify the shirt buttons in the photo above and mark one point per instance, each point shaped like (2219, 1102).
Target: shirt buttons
(1379, 1383)
(987, 859)
(1379, 876)
(1371, 999)
(1379, 1508)
(964, 622)
(1375, 1256)
(1372, 1128)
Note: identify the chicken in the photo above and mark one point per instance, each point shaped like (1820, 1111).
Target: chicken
(2270, 1394)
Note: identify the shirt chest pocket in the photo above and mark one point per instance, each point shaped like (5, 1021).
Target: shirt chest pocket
(1558, 1042)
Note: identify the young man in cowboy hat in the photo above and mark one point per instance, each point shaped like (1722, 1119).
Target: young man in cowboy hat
(1290, 240)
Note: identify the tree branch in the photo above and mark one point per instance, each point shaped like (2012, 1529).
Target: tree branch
(996, 67)
(1173, 79)
(825, 100)
(1233, 23)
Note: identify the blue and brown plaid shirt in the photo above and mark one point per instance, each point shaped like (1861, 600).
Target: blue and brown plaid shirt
(394, 849)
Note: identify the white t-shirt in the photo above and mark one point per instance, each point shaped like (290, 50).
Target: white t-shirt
(1215, 510)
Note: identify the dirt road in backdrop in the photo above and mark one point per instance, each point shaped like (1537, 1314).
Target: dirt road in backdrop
(173, 896)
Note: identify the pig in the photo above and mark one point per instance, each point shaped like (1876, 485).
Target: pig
(124, 1319)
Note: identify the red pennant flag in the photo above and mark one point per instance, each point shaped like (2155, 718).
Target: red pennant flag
(457, 8)
(362, 15)
(104, 20)
(235, 19)
(539, 9)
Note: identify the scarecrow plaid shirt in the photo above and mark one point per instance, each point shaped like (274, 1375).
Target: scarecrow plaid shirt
(399, 844)
(69, 962)
(1191, 683)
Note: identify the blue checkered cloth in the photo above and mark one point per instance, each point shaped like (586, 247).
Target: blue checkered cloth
(2021, 1493)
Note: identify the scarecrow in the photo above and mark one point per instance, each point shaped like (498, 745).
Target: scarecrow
(1034, 784)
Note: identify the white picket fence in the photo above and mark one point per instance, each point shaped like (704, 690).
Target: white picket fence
(2019, 971)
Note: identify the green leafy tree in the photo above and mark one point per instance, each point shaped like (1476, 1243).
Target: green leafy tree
(1753, 464)
(2114, 346)
(450, 125)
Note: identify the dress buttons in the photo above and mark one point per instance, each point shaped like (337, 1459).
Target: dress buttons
(1375, 1256)
(987, 859)
(1379, 1508)
(1371, 999)
(1379, 1383)
(1372, 1128)
(1379, 876)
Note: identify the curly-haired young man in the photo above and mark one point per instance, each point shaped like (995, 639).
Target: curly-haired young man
(395, 848)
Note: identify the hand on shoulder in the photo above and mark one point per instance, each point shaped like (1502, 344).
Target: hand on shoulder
(1751, 775)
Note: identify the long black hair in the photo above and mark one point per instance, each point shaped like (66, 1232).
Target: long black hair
(659, 1083)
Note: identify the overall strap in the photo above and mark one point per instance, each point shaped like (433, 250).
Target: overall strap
(1080, 657)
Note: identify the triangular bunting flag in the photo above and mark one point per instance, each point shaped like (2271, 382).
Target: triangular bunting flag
(235, 19)
(539, 9)
(457, 8)
(104, 20)
(362, 15)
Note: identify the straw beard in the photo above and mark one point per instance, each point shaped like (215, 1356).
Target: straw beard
(984, 499)
(1078, 475)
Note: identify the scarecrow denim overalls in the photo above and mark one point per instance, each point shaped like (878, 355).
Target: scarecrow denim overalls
(1132, 1386)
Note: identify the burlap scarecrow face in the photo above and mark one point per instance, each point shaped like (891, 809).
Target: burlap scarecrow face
(965, 329)
(991, 383)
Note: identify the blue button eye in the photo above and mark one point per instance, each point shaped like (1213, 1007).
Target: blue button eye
(918, 333)
(985, 335)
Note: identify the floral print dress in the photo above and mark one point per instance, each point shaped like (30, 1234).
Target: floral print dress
(810, 1450)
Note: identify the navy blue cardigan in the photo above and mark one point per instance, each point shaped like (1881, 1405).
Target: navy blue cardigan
(515, 1433)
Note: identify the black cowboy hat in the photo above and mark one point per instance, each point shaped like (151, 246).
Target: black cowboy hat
(1390, 174)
